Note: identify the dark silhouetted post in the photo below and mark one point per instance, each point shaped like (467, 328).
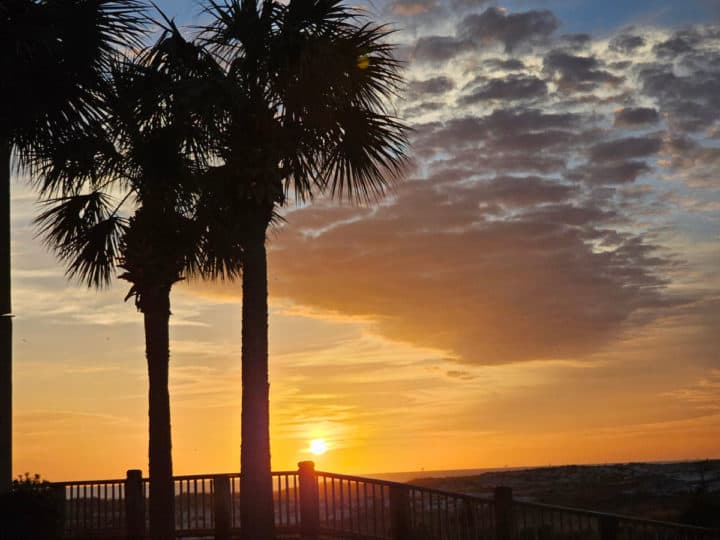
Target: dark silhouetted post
(58, 498)
(609, 527)
(309, 500)
(134, 505)
(504, 522)
(468, 518)
(399, 512)
(5, 320)
(222, 507)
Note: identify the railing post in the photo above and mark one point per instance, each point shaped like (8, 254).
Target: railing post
(504, 519)
(58, 497)
(222, 507)
(309, 500)
(609, 527)
(468, 514)
(399, 512)
(134, 505)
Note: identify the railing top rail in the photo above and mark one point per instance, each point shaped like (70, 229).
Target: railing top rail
(391, 483)
(208, 476)
(88, 482)
(360, 479)
(455, 494)
(222, 475)
(620, 517)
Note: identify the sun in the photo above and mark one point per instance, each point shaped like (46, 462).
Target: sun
(318, 446)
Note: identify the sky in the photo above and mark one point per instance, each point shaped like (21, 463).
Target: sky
(542, 288)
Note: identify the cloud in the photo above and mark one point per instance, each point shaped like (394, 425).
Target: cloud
(438, 49)
(626, 43)
(636, 116)
(521, 234)
(621, 172)
(409, 8)
(495, 25)
(478, 31)
(577, 73)
(435, 86)
(625, 148)
(510, 88)
(682, 42)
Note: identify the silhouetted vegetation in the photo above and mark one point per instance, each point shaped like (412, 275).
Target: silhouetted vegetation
(52, 57)
(304, 100)
(207, 139)
(148, 147)
(31, 511)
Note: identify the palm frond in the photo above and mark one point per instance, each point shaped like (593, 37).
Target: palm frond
(84, 232)
(363, 156)
(58, 51)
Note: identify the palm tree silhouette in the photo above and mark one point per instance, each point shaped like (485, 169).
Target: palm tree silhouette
(150, 149)
(52, 55)
(305, 108)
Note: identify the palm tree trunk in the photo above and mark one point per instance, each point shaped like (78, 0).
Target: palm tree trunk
(255, 480)
(5, 321)
(156, 311)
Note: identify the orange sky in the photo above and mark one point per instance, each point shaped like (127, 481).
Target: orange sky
(543, 289)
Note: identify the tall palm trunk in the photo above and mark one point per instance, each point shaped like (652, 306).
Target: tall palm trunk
(255, 479)
(156, 311)
(5, 321)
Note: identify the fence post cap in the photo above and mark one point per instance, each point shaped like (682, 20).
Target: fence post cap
(134, 473)
(306, 465)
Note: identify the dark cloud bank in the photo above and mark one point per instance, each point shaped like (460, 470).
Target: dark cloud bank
(524, 231)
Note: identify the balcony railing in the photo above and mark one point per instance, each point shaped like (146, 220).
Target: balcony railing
(313, 504)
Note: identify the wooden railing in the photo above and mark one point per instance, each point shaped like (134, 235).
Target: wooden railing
(313, 504)
(535, 521)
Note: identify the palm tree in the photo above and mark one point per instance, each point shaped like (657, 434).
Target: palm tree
(305, 99)
(52, 55)
(151, 150)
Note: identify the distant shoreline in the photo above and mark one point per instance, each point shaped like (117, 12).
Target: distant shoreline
(456, 473)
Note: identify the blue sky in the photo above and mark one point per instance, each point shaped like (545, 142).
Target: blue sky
(576, 15)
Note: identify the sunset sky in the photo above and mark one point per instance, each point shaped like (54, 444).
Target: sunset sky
(543, 288)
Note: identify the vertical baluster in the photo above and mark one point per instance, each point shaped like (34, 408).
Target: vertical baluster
(192, 484)
(287, 499)
(233, 514)
(203, 499)
(446, 517)
(296, 497)
(95, 505)
(357, 506)
(342, 505)
(84, 507)
(281, 500)
(333, 481)
(182, 503)
(419, 513)
(384, 525)
(71, 508)
(325, 500)
(350, 505)
(106, 508)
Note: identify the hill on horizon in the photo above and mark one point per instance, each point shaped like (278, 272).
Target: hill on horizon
(685, 492)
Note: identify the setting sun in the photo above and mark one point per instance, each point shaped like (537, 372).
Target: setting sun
(318, 446)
